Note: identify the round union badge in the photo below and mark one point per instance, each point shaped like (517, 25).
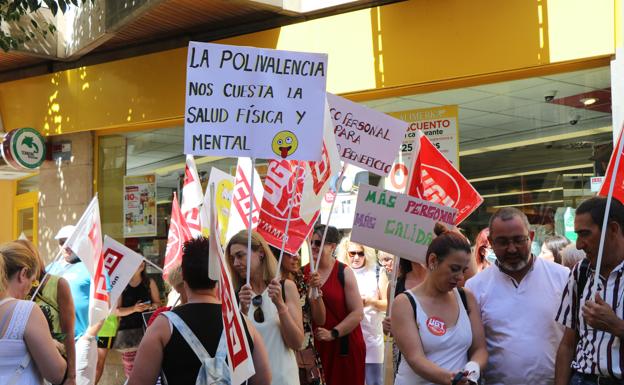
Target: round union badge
(436, 326)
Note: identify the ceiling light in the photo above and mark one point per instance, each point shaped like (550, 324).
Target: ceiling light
(528, 204)
(543, 171)
(550, 189)
(588, 101)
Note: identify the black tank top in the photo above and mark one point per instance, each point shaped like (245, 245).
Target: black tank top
(180, 364)
(129, 297)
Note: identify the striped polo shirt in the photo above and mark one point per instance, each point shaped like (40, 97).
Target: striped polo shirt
(597, 352)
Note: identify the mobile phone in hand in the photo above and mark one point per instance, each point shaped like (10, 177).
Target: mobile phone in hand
(458, 377)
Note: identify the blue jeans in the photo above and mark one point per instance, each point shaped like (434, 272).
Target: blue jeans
(577, 379)
(374, 374)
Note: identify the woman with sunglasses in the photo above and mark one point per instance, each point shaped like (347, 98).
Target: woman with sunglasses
(437, 326)
(308, 360)
(272, 306)
(339, 340)
(27, 351)
(363, 263)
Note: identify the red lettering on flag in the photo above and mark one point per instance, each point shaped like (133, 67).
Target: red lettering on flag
(321, 171)
(242, 199)
(111, 260)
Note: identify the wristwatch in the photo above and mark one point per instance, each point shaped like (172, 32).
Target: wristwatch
(334, 333)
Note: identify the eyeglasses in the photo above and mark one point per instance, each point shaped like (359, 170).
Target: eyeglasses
(258, 313)
(354, 253)
(316, 243)
(518, 241)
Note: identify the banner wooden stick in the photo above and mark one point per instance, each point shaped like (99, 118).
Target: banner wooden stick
(250, 225)
(331, 210)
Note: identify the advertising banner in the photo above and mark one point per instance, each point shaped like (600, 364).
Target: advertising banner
(139, 206)
(397, 223)
(252, 102)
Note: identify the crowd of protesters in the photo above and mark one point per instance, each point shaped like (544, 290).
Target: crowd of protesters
(491, 312)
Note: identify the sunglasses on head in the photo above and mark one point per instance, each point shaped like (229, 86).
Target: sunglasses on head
(354, 253)
(258, 313)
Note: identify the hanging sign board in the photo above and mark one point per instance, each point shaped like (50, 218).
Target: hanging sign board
(24, 149)
(252, 102)
(365, 138)
(397, 223)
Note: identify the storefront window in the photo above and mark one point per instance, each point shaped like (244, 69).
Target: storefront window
(530, 143)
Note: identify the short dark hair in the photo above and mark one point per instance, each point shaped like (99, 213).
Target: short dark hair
(195, 264)
(555, 244)
(446, 242)
(506, 214)
(596, 207)
(333, 235)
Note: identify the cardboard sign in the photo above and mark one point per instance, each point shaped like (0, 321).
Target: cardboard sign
(433, 178)
(365, 138)
(224, 186)
(397, 223)
(252, 102)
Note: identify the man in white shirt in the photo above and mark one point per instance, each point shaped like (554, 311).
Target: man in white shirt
(519, 297)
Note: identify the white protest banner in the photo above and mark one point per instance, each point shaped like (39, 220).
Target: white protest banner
(121, 263)
(397, 223)
(365, 138)
(224, 187)
(253, 102)
(440, 126)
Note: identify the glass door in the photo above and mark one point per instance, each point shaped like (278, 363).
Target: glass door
(25, 215)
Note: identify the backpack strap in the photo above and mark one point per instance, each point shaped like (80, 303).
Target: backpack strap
(462, 295)
(215, 371)
(341, 275)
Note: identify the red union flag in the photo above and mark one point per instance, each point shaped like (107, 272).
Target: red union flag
(242, 196)
(279, 193)
(178, 234)
(618, 189)
(433, 178)
(86, 243)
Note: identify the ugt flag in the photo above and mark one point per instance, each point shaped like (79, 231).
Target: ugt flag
(192, 198)
(86, 243)
(178, 234)
(283, 187)
(618, 189)
(242, 197)
(434, 179)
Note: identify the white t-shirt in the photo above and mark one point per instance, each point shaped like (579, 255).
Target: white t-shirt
(371, 323)
(519, 321)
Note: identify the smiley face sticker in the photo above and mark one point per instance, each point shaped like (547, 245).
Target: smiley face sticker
(285, 143)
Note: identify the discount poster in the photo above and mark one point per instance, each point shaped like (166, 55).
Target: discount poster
(139, 206)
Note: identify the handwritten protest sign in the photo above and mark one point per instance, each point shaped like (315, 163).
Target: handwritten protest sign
(365, 138)
(252, 102)
(397, 223)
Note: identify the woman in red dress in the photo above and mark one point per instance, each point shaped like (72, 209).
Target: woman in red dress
(339, 341)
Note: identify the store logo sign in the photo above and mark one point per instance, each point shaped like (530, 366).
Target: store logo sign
(24, 148)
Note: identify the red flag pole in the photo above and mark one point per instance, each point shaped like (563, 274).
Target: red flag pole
(285, 236)
(605, 220)
(253, 169)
